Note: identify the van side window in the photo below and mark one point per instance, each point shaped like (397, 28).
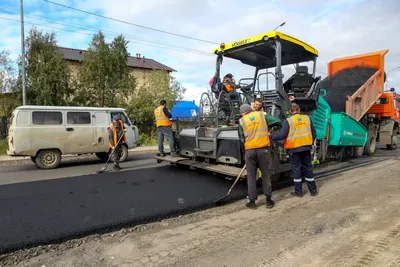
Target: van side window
(46, 117)
(78, 118)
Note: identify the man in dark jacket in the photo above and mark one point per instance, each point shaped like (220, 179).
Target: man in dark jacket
(299, 134)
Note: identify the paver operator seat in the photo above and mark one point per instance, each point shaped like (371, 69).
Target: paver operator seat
(302, 81)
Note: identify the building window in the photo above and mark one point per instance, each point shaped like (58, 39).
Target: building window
(78, 118)
(47, 118)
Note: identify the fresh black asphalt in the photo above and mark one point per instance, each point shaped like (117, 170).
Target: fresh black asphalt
(51, 210)
(44, 211)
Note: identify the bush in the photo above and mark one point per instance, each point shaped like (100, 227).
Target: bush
(147, 140)
(3, 147)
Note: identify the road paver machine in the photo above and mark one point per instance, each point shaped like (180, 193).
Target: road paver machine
(213, 144)
(340, 106)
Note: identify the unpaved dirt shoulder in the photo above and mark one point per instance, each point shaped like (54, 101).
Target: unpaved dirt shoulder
(355, 221)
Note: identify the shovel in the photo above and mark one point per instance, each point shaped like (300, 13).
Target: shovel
(105, 166)
(230, 189)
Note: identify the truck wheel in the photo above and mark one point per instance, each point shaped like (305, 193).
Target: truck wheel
(370, 146)
(48, 159)
(393, 144)
(103, 156)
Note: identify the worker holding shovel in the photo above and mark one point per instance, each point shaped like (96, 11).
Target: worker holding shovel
(116, 134)
(254, 135)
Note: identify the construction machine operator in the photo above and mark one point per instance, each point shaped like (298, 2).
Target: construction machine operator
(299, 134)
(164, 128)
(254, 138)
(116, 136)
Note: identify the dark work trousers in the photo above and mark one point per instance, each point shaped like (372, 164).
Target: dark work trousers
(117, 155)
(302, 166)
(258, 158)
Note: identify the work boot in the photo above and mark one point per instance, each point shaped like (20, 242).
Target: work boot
(117, 167)
(251, 205)
(270, 203)
(296, 194)
(314, 194)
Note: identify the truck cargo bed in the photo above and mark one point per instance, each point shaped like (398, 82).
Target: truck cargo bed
(355, 83)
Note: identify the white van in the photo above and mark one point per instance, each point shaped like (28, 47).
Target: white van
(46, 132)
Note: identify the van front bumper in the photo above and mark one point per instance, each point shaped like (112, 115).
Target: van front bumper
(11, 153)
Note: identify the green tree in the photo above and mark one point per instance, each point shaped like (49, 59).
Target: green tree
(104, 78)
(8, 100)
(160, 86)
(47, 75)
(7, 79)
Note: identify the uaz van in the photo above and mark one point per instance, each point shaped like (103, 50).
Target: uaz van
(45, 133)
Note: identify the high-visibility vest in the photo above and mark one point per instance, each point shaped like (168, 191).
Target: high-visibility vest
(112, 127)
(300, 133)
(255, 130)
(161, 118)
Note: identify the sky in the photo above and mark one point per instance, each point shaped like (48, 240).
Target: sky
(336, 28)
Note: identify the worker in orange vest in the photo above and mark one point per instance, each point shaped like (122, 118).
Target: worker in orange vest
(116, 132)
(299, 134)
(254, 138)
(164, 128)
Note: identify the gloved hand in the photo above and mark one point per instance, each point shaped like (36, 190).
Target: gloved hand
(125, 130)
(113, 148)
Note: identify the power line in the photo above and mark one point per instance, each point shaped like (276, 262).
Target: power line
(78, 26)
(85, 33)
(130, 23)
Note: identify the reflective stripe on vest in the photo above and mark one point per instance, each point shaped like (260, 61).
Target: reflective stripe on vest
(300, 133)
(161, 118)
(255, 130)
(115, 133)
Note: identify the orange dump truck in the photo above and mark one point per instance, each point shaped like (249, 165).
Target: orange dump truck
(386, 113)
(355, 86)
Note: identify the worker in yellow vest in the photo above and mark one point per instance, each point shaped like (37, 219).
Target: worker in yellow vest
(116, 132)
(299, 134)
(164, 128)
(254, 138)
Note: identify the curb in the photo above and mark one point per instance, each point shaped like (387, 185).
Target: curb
(138, 150)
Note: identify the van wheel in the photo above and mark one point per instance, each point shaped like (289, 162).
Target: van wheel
(48, 159)
(103, 156)
(124, 154)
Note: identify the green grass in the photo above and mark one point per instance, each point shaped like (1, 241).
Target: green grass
(149, 140)
(3, 147)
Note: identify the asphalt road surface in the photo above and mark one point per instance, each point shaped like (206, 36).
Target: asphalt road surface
(39, 206)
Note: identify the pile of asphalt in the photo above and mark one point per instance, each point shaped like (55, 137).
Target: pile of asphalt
(345, 83)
